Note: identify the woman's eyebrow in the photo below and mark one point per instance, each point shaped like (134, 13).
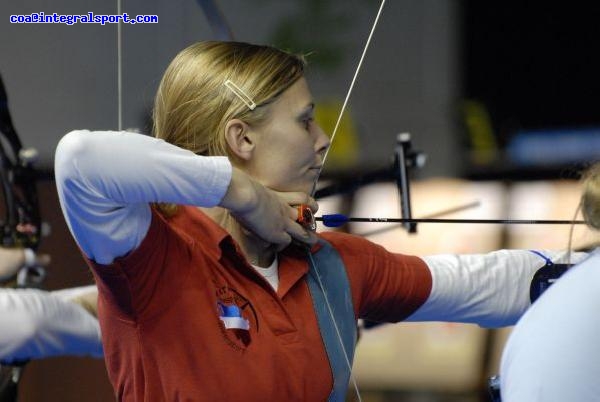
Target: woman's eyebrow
(307, 111)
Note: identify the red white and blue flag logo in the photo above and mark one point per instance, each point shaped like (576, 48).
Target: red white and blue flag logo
(232, 317)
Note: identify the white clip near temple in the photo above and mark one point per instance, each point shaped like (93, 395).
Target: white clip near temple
(240, 94)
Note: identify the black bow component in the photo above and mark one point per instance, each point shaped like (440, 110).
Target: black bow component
(22, 223)
(216, 19)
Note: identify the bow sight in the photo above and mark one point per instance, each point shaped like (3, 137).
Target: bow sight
(404, 159)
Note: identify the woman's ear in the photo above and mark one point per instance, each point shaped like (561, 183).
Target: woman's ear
(238, 138)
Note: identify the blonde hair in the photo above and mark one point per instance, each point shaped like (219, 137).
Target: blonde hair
(590, 198)
(589, 203)
(192, 104)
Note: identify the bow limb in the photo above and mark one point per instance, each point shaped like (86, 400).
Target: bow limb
(216, 19)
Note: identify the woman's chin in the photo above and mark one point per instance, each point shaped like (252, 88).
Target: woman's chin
(300, 187)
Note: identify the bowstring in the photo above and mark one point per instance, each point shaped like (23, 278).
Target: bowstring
(348, 93)
(335, 129)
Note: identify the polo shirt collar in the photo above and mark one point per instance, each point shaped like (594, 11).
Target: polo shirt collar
(204, 227)
(293, 264)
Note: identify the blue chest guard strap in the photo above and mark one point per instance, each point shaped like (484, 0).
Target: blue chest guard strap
(332, 274)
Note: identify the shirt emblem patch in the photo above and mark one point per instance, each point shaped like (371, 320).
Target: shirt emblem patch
(232, 317)
(237, 316)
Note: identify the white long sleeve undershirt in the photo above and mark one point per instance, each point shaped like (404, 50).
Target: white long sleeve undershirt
(106, 180)
(491, 289)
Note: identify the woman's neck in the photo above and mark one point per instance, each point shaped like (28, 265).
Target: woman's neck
(257, 251)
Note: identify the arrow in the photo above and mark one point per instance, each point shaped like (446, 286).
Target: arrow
(336, 220)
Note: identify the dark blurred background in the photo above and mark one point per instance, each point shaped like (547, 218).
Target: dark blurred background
(495, 90)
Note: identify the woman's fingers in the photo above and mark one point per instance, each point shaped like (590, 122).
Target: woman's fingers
(301, 234)
(269, 214)
(297, 198)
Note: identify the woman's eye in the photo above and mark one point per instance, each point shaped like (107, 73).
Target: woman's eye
(307, 122)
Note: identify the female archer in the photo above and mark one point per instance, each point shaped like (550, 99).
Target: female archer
(208, 287)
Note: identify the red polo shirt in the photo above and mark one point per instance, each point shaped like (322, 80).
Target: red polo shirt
(163, 338)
